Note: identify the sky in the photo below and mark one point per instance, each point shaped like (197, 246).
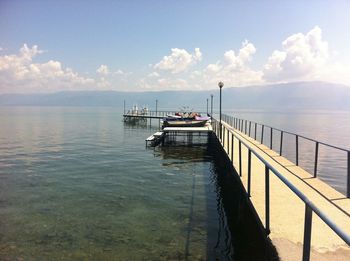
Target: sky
(50, 46)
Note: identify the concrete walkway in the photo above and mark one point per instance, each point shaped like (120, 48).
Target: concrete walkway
(287, 211)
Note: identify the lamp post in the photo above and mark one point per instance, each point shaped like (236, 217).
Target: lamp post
(207, 106)
(211, 106)
(156, 107)
(220, 84)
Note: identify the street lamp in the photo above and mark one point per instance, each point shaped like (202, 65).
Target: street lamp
(156, 107)
(207, 106)
(211, 106)
(220, 84)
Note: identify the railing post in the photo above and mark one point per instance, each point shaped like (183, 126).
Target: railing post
(228, 141)
(240, 157)
(307, 233)
(245, 129)
(267, 200)
(249, 169)
(316, 159)
(232, 146)
(281, 143)
(262, 134)
(348, 187)
(256, 125)
(250, 127)
(223, 136)
(271, 132)
(297, 150)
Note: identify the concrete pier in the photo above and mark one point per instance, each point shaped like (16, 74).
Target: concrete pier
(287, 210)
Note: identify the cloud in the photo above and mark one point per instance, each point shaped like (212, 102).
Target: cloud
(153, 75)
(234, 70)
(18, 73)
(179, 60)
(302, 57)
(119, 72)
(103, 83)
(157, 83)
(103, 70)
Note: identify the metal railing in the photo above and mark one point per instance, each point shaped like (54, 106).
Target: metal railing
(310, 207)
(254, 129)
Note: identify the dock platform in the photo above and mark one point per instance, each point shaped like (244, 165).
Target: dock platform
(207, 128)
(155, 138)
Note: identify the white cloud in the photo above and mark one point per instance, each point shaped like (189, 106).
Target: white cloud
(103, 70)
(18, 73)
(119, 72)
(153, 75)
(164, 83)
(302, 58)
(179, 60)
(103, 83)
(214, 68)
(234, 70)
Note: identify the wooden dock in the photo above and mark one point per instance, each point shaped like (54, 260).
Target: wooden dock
(281, 210)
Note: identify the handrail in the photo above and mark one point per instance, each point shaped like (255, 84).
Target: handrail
(238, 123)
(295, 134)
(309, 205)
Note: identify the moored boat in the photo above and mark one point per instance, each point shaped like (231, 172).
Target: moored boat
(184, 123)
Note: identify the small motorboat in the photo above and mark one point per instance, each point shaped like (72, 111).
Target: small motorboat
(184, 123)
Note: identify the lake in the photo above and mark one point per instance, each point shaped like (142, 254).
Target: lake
(76, 183)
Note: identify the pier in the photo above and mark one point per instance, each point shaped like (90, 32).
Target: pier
(303, 216)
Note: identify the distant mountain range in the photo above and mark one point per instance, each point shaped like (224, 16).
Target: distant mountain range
(299, 95)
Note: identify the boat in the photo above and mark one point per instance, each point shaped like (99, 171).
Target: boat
(184, 123)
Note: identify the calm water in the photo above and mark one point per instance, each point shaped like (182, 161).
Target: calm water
(331, 127)
(78, 184)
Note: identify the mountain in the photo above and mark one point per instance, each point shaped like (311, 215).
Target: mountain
(299, 95)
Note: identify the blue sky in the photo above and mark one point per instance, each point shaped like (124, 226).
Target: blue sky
(155, 45)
